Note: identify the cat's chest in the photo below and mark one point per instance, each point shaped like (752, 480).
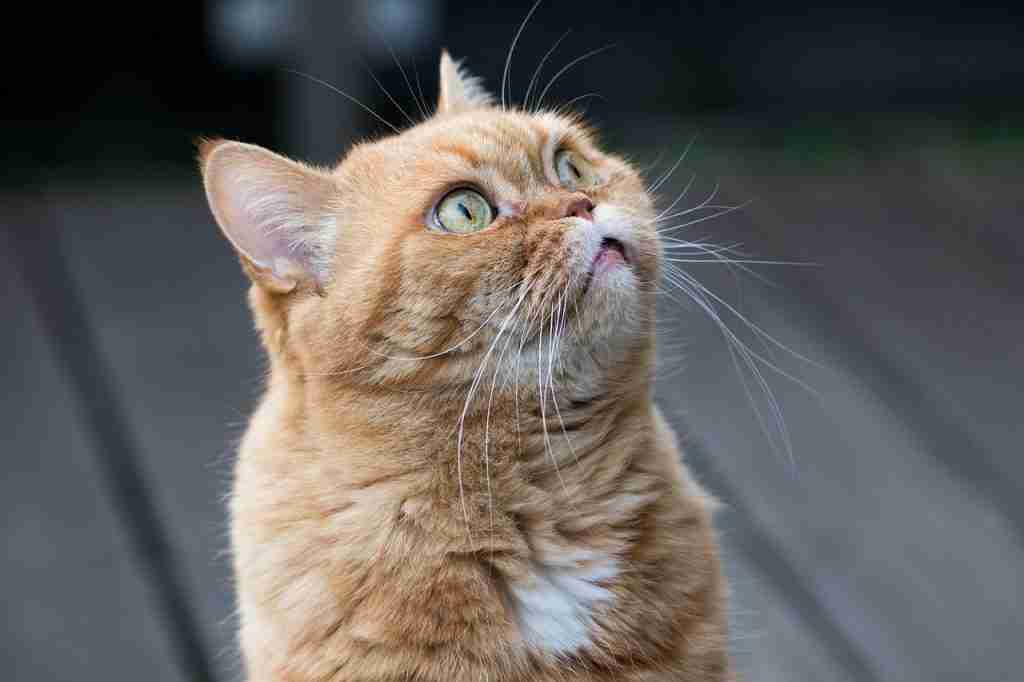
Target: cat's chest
(554, 600)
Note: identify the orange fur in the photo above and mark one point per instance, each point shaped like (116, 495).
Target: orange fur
(458, 437)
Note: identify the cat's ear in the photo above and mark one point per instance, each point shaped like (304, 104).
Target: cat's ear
(275, 211)
(460, 91)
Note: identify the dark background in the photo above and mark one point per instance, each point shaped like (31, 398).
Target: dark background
(127, 85)
(883, 144)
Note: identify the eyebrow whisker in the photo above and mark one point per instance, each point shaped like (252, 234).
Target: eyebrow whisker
(511, 52)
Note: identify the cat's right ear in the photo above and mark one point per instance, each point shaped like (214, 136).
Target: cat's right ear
(460, 91)
(274, 211)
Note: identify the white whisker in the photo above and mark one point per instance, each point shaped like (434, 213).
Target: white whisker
(757, 330)
(511, 52)
(544, 92)
(567, 107)
(419, 88)
(450, 349)
(554, 397)
(540, 66)
(542, 388)
(733, 261)
(668, 174)
(694, 209)
(686, 188)
(487, 436)
(717, 214)
(347, 96)
(465, 408)
(735, 345)
(388, 95)
(421, 105)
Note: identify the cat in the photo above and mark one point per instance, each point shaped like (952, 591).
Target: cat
(457, 471)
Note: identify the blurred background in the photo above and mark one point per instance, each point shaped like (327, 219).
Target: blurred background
(884, 145)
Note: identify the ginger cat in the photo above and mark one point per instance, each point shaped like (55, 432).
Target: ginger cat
(457, 471)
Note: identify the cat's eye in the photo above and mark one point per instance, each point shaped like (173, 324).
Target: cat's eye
(463, 211)
(573, 170)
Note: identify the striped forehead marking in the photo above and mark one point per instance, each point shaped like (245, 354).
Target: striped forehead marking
(514, 149)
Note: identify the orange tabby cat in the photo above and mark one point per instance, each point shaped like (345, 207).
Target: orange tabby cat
(457, 471)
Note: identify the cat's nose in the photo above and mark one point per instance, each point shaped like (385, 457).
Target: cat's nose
(579, 206)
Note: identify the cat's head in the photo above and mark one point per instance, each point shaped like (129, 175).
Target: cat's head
(479, 230)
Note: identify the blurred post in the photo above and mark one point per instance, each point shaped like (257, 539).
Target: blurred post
(321, 47)
(327, 46)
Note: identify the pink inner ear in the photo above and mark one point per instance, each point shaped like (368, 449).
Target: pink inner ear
(258, 226)
(239, 226)
(267, 206)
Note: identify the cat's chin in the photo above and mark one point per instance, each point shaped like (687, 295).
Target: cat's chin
(610, 284)
(612, 302)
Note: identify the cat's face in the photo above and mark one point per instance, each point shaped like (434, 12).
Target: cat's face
(478, 230)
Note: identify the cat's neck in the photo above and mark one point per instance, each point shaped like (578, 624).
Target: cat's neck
(469, 456)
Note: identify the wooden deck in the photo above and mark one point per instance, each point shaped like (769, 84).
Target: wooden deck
(891, 545)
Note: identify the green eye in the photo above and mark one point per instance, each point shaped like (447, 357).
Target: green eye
(573, 170)
(464, 211)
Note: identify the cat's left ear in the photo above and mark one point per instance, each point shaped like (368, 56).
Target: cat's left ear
(460, 91)
(274, 211)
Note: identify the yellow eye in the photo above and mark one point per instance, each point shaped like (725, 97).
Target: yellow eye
(464, 211)
(573, 170)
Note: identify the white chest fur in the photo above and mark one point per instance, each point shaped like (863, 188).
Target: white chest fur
(555, 602)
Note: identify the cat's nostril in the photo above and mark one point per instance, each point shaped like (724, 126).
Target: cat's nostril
(580, 207)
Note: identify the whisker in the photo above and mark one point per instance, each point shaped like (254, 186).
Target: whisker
(544, 92)
(757, 330)
(515, 384)
(487, 437)
(695, 221)
(736, 345)
(347, 96)
(511, 52)
(701, 245)
(420, 104)
(419, 89)
(567, 107)
(733, 261)
(682, 249)
(714, 250)
(554, 397)
(644, 170)
(542, 388)
(465, 409)
(694, 209)
(686, 188)
(388, 94)
(453, 348)
(665, 176)
(540, 66)
(704, 204)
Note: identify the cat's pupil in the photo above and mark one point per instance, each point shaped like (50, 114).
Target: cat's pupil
(465, 211)
(575, 171)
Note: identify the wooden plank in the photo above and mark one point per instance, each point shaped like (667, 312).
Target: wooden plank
(75, 606)
(907, 557)
(168, 300)
(769, 640)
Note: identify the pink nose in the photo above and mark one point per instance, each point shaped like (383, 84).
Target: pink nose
(579, 206)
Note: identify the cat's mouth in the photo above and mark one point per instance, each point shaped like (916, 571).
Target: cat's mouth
(612, 252)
